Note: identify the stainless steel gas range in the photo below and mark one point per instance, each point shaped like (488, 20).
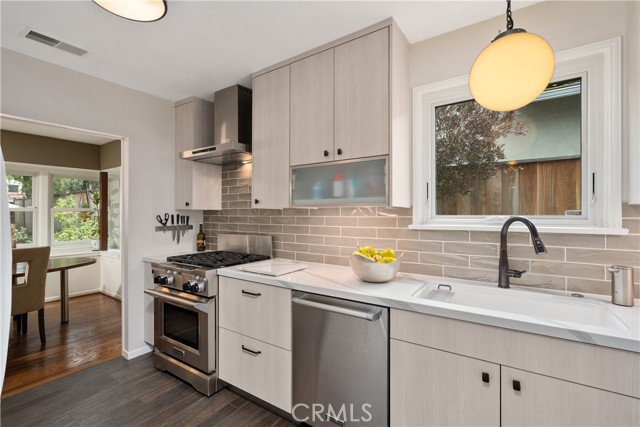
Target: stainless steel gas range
(186, 308)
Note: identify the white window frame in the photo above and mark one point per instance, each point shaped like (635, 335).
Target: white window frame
(599, 66)
(43, 200)
(70, 174)
(33, 208)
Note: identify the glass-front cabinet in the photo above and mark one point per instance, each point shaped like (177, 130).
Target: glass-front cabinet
(355, 182)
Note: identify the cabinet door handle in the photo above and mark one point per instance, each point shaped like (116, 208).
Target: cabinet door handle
(252, 352)
(339, 151)
(186, 203)
(485, 377)
(256, 201)
(516, 385)
(326, 153)
(250, 294)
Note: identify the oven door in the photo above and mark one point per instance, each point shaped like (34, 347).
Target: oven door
(185, 327)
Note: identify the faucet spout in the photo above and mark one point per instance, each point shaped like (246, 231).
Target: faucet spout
(504, 273)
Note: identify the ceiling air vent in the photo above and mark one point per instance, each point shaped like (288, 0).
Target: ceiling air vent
(50, 41)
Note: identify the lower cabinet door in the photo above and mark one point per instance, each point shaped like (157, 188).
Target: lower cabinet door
(530, 399)
(434, 388)
(256, 367)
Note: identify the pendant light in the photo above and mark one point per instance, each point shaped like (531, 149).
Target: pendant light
(135, 10)
(513, 70)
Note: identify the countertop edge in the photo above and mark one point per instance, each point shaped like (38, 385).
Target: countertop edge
(292, 281)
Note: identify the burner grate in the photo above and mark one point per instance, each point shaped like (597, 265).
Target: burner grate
(216, 259)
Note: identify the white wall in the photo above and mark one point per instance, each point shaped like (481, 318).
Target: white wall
(111, 274)
(564, 24)
(42, 91)
(104, 276)
(82, 281)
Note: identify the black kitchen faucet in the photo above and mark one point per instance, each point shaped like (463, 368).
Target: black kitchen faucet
(504, 273)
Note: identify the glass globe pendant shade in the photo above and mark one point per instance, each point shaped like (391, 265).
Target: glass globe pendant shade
(512, 71)
(135, 10)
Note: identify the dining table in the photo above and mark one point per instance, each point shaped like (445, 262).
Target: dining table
(63, 265)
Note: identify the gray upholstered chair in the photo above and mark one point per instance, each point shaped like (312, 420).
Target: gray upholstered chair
(28, 295)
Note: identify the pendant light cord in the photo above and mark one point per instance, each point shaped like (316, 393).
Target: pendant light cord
(509, 18)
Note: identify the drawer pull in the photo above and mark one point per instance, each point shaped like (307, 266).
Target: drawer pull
(252, 352)
(485, 377)
(516, 385)
(250, 294)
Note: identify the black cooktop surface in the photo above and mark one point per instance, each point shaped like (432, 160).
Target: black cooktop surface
(216, 259)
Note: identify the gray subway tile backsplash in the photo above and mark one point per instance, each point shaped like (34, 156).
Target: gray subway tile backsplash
(328, 235)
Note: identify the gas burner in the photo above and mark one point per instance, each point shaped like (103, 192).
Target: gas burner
(216, 259)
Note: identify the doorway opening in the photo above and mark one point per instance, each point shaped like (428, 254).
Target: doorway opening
(65, 190)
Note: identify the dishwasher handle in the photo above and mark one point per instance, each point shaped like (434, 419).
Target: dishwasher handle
(370, 315)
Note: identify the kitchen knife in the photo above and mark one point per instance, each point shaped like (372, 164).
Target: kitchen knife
(173, 228)
(178, 233)
(187, 227)
(184, 225)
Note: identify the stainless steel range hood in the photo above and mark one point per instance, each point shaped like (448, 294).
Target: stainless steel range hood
(231, 129)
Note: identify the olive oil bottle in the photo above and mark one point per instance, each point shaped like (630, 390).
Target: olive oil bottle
(200, 239)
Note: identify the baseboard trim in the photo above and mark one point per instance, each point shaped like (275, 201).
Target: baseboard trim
(75, 294)
(111, 294)
(137, 352)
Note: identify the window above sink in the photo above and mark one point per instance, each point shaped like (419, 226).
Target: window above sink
(556, 160)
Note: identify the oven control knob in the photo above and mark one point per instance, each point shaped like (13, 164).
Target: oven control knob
(193, 286)
(163, 280)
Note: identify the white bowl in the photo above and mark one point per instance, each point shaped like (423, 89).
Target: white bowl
(371, 271)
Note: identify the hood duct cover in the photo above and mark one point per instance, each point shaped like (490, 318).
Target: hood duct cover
(231, 129)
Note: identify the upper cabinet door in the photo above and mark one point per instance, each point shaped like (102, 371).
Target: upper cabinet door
(362, 97)
(271, 139)
(198, 186)
(312, 109)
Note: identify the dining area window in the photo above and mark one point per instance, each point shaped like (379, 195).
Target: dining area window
(54, 206)
(22, 208)
(74, 212)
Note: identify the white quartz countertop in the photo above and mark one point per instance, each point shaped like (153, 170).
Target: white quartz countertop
(622, 332)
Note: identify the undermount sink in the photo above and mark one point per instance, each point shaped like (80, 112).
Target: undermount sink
(565, 310)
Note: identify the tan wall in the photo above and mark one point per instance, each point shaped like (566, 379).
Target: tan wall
(328, 235)
(110, 155)
(40, 150)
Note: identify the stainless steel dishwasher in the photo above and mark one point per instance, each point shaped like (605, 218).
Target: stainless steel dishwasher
(340, 362)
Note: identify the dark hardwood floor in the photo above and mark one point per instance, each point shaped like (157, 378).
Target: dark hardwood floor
(92, 336)
(130, 393)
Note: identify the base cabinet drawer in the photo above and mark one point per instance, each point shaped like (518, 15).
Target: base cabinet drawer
(258, 311)
(256, 367)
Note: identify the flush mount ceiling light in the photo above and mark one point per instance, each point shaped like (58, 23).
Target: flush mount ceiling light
(513, 70)
(135, 10)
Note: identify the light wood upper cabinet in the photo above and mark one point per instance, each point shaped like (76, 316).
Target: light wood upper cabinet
(362, 96)
(340, 102)
(312, 109)
(271, 139)
(198, 185)
(350, 100)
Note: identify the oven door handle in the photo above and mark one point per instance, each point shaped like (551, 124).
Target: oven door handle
(181, 302)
